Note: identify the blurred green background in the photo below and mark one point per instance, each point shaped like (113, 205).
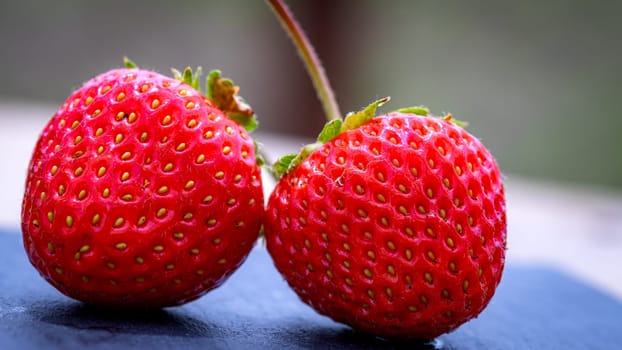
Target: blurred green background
(539, 81)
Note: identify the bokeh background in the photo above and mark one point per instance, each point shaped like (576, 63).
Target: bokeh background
(539, 81)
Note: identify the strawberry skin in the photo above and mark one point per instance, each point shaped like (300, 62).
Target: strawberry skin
(396, 228)
(141, 193)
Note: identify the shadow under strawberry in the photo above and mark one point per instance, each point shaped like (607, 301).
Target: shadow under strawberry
(89, 318)
(346, 338)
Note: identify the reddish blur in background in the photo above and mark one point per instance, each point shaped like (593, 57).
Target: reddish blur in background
(539, 81)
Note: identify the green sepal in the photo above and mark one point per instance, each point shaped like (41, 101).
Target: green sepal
(196, 78)
(212, 78)
(418, 110)
(192, 78)
(177, 74)
(288, 162)
(224, 93)
(355, 119)
(189, 77)
(248, 122)
(282, 165)
(450, 118)
(128, 63)
(330, 130)
(424, 111)
(261, 161)
(304, 153)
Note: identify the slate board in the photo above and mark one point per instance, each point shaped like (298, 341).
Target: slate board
(534, 308)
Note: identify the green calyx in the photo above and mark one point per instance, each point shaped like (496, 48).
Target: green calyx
(352, 121)
(331, 130)
(222, 91)
(192, 78)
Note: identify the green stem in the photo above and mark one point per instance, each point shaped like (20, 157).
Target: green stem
(310, 58)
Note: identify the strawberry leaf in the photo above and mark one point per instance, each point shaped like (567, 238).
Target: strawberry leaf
(418, 110)
(355, 119)
(330, 130)
(224, 93)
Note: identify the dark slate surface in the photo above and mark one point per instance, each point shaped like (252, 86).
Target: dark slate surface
(534, 308)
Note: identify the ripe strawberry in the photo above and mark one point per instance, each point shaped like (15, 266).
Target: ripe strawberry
(394, 225)
(141, 191)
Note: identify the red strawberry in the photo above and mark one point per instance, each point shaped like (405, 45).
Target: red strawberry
(394, 224)
(395, 227)
(141, 191)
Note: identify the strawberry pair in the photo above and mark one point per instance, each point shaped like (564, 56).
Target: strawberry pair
(144, 191)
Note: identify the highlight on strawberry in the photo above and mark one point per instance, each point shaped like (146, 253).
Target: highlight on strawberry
(393, 224)
(143, 190)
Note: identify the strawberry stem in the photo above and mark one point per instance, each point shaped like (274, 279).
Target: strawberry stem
(309, 57)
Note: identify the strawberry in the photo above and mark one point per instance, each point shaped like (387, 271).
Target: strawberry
(142, 192)
(395, 224)
(396, 227)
